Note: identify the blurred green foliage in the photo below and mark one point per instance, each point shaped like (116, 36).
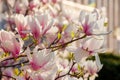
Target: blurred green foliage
(111, 68)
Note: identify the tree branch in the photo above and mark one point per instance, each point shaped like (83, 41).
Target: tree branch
(14, 64)
(67, 72)
(9, 77)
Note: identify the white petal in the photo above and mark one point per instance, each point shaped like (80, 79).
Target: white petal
(92, 44)
(80, 54)
(99, 65)
(82, 16)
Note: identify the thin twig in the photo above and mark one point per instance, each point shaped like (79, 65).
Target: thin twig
(11, 58)
(9, 77)
(68, 42)
(67, 72)
(14, 64)
(63, 45)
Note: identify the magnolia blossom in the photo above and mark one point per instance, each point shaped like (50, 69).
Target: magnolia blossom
(91, 67)
(21, 24)
(63, 65)
(95, 42)
(33, 4)
(39, 25)
(42, 61)
(89, 46)
(9, 72)
(92, 24)
(21, 6)
(14, 72)
(9, 43)
(40, 58)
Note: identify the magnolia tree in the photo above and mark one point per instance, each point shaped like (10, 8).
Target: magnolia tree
(38, 41)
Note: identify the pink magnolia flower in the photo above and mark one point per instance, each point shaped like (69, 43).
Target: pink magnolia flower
(87, 21)
(92, 24)
(9, 43)
(34, 27)
(42, 64)
(13, 73)
(45, 23)
(39, 26)
(21, 24)
(21, 6)
(33, 4)
(9, 72)
(63, 65)
(91, 67)
(89, 46)
(40, 59)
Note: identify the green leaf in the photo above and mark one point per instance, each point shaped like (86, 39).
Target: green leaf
(59, 36)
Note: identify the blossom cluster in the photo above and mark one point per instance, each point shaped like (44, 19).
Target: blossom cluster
(38, 41)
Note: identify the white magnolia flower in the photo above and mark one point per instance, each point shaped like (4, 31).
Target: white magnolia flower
(91, 67)
(39, 25)
(42, 64)
(89, 46)
(92, 24)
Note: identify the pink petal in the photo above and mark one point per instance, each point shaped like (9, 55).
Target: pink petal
(35, 28)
